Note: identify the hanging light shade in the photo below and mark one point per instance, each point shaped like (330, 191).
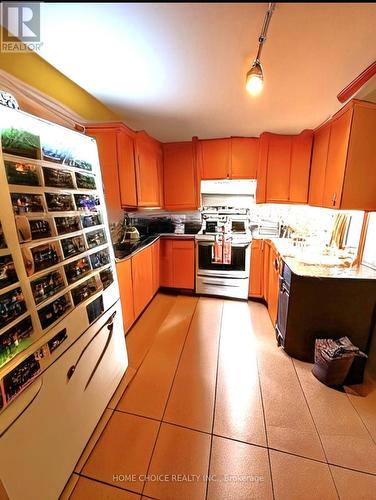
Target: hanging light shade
(255, 77)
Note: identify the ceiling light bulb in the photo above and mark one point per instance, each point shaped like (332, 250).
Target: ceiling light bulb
(255, 79)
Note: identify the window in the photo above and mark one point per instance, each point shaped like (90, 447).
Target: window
(369, 254)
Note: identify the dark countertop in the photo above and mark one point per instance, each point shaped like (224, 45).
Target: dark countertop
(127, 250)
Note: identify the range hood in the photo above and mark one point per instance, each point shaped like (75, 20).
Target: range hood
(228, 193)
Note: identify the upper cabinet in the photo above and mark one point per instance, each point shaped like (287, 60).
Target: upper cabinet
(214, 157)
(179, 176)
(230, 158)
(343, 173)
(283, 167)
(116, 155)
(148, 171)
(244, 157)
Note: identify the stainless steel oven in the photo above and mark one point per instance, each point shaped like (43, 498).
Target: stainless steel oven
(228, 280)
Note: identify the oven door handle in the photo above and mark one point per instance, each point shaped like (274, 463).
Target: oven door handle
(236, 245)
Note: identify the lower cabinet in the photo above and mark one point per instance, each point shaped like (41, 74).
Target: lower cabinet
(256, 269)
(142, 279)
(156, 255)
(167, 262)
(124, 273)
(178, 264)
(273, 285)
(264, 275)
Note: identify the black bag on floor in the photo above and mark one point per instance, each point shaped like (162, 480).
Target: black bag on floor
(333, 360)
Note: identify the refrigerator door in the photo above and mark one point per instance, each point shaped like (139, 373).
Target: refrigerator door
(43, 440)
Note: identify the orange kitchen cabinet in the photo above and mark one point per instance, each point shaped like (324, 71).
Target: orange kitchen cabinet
(183, 264)
(336, 159)
(214, 158)
(229, 158)
(273, 285)
(148, 171)
(244, 157)
(349, 180)
(266, 265)
(142, 279)
(166, 276)
(256, 269)
(178, 263)
(278, 168)
(283, 168)
(116, 156)
(300, 167)
(155, 250)
(106, 138)
(318, 165)
(124, 274)
(179, 176)
(127, 173)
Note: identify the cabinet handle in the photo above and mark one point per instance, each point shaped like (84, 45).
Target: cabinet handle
(110, 326)
(334, 199)
(276, 264)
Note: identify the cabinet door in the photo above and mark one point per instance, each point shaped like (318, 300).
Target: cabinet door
(108, 157)
(359, 191)
(127, 174)
(156, 265)
(215, 159)
(337, 157)
(179, 176)
(147, 174)
(124, 273)
(300, 167)
(183, 264)
(142, 278)
(166, 275)
(278, 168)
(266, 258)
(318, 165)
(256, 269)
(244, 157)
(273, 289)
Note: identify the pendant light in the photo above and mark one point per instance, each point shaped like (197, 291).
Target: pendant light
(255, 77)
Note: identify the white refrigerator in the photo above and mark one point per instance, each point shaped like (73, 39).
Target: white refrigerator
(62, 347)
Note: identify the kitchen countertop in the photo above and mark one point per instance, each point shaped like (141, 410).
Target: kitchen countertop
(302, 263)
(126, 251)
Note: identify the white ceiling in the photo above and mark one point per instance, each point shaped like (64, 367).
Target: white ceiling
(178, 69)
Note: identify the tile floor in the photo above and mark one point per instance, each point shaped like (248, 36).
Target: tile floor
(215, 410)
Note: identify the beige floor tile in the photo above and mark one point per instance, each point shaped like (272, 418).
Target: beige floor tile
(353, 485)
(141, 336)
(148, 392)
(93, 440)
(125, 381)
(67, 491)
(238, 412)
(296, 478)
(191, 401)
(345, 438)
(86, 489)
(363, 399)
(288, 420)
(239, 471)
(179, 453)
(124, 449)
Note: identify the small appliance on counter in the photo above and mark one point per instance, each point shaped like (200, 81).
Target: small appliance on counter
(131, 233)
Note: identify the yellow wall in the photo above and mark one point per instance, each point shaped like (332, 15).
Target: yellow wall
(38, 73)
